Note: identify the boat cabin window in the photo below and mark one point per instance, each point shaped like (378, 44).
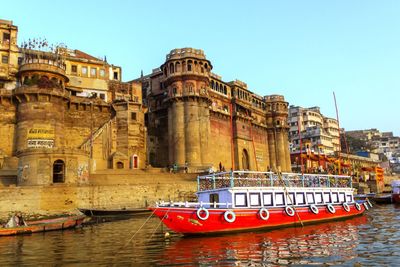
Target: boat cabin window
(327, 197)
(268, 200)
(255, 199)
(214, 198)
(310, 198)
(318, 198)
(291, 199)
(279, 199)
(349, 198)
(342, 197)
(335, 197)
(240, 200)
(301, 200)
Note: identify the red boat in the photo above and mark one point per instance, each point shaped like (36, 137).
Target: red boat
(245, 200)
(396, 191)
(60, 223)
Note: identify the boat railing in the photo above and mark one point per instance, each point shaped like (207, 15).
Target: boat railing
(270, 179)
(187, 204)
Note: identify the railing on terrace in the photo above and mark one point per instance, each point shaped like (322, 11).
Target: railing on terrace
(269, 179)
(194, 204)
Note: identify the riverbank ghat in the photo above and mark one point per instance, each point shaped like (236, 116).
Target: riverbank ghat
(109, 188)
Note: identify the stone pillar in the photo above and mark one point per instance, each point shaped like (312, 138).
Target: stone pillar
(192, 129)
(287, 152)
(204, 119)
(179, 133)
(171, 131)
(272, 149)
(267, 153)
(281, 155)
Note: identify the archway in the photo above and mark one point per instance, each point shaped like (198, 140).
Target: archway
(135, 162)
(58, 171)
(245, 160)
(120, 165)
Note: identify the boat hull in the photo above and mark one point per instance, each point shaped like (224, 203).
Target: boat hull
(396, 198)
(383, 199)
(186, 221)
(112, 212)
(44, 226)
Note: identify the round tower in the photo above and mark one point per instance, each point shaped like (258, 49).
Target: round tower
(186, 79)
(277, 115)
(41, 105)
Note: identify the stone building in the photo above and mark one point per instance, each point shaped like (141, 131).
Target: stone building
(65, 114)
(197, 120)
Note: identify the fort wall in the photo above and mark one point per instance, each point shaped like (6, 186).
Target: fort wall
(118, 191)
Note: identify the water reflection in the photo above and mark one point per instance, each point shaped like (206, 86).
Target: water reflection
(313, 244)
(369, 240)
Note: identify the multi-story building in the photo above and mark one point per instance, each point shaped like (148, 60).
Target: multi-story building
(64, 114)
(320, 133)
(8, 54)
(198, 120)
(380, 142)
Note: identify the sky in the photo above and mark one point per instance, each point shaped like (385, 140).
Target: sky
(304, 50)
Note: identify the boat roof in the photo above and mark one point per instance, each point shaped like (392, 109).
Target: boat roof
(253, 179)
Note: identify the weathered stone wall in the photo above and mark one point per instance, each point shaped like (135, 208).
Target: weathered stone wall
(35, 166)
(220, 141)
(139, 192)
(80, 119)
(7, 127)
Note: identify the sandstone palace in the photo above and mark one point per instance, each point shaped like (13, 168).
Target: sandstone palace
(65, 114)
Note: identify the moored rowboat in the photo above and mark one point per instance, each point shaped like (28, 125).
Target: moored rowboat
(44, 225)
(238, 201)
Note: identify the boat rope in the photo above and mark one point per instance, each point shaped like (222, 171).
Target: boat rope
(165, 215)
(137, 231)
(133, 236)
(291, 200)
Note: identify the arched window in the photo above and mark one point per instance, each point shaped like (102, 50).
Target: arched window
(58, 171)
(135, 162)
(171, 67)
(177, 67)
(245, 160)
(216, 87)
(165, 71)
(189, 66)
(225, 91)
(212, 84)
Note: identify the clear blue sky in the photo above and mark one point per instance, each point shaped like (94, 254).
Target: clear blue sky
(303, 50)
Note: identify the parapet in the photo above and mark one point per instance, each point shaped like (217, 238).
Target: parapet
(238, 83)
(185, 52)
(272, 98)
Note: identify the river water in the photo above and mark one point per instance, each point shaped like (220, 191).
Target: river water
(370, 240)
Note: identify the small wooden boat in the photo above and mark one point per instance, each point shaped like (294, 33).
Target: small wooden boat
(45, 225)
(396, 191)
(364, 196)
(245, 200)
(383, 199)
(112, 212)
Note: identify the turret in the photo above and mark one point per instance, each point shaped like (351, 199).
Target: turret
(277, 114)
(186, 80)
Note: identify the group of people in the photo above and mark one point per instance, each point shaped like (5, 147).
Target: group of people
(16, 220)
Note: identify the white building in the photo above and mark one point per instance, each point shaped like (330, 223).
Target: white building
(319, 132)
